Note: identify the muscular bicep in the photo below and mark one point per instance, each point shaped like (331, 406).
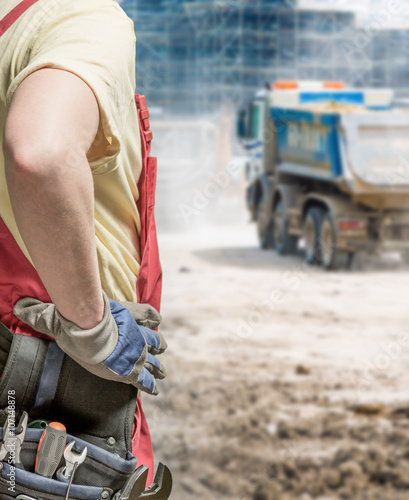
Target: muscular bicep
(51, 109)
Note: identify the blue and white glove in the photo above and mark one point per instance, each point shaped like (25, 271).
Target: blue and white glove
(116, 349)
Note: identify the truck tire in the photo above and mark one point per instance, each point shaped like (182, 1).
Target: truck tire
(312, 233)
(284, 243)
(332, 258)
(264, 225)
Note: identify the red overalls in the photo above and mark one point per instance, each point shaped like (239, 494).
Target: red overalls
(18, 278)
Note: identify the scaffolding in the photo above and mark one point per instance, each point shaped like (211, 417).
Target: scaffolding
(194, 56)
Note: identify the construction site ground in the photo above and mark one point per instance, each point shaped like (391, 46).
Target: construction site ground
(284, 381)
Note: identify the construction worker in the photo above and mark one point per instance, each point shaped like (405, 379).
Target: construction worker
(69, 224)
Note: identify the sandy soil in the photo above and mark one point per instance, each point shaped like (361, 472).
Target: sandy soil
(285, 382)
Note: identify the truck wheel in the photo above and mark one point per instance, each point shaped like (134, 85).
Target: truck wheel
(312, 232)
(332, 258)
(284, 243)
(264, 225)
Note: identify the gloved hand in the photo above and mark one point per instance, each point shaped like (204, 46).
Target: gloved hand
(116, 349)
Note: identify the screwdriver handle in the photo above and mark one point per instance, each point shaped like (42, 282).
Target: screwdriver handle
(50, 449)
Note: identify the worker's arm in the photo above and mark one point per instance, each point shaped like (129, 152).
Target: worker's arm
(51, 124)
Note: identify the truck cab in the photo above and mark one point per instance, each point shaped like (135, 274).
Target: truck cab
(257, 135)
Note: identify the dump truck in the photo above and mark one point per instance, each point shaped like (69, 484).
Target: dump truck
(328, 166)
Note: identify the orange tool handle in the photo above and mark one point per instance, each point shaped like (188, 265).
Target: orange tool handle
(50, 449)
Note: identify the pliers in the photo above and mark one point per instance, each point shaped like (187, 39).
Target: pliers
(134, 488)
(13, 439)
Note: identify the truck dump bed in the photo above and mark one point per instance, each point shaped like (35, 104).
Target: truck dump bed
(364, 150)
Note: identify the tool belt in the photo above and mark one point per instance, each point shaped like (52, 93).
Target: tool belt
(41, 380)
(48, 384)
(100, 471)
(102, 476)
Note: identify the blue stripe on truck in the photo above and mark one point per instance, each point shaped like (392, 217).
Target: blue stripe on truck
(347, 97)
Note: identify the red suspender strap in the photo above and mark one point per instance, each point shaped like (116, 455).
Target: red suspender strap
(149, 282)
(14, 14)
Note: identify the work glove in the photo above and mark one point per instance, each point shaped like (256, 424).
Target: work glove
(116, 349)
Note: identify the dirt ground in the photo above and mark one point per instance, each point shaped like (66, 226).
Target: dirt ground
(284, 381)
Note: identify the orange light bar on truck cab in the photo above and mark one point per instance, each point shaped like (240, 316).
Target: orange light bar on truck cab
(294, 85)
(334, 85)
(283, 85)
